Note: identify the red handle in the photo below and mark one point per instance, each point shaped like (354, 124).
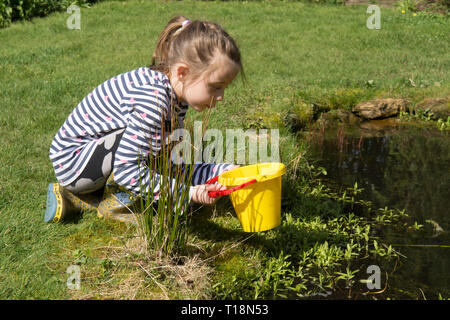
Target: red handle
(213, 180)
(218, 193)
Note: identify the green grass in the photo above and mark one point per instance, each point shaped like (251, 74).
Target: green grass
(292, 53)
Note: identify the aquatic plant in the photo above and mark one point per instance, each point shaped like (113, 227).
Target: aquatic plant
(163, 215)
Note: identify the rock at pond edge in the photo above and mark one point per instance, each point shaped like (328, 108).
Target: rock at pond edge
(439, 107)
(380, 108)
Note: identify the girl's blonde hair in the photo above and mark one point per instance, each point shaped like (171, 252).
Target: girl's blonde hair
(196, 44)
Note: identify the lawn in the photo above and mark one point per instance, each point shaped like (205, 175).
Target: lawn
(291, 52)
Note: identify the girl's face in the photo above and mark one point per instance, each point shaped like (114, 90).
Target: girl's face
(204, 92)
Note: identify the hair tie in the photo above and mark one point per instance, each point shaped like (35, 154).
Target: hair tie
(185, 23)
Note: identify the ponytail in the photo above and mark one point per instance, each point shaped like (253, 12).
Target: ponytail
(159, 58)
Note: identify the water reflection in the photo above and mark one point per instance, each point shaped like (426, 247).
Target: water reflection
(404, 168)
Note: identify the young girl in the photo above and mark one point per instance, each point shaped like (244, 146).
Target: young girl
(124, 118)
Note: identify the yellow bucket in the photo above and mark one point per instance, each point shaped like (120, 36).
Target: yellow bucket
(255, 194)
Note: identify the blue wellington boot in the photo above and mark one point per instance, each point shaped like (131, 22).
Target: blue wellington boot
(63, 204)
(58, 206)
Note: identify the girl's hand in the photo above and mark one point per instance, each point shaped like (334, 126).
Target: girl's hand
(200, 194)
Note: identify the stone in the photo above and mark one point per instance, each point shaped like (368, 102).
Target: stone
(380, 108)
(338, 116)
(440, 107)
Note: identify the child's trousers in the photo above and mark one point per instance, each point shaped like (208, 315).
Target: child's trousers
(99, 165)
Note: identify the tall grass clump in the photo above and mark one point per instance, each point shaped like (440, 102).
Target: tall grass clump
(162, 210)
(162, 207)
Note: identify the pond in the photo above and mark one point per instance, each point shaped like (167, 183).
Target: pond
(403, 167)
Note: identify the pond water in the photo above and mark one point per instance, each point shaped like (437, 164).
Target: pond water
(404, 167)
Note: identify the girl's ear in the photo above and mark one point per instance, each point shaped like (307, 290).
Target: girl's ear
(182, 71)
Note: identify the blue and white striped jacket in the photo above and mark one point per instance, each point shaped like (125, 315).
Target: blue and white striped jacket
(138, 101)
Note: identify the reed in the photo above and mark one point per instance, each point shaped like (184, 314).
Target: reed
(162, 208)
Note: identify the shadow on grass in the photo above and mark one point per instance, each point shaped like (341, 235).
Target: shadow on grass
(288, 238)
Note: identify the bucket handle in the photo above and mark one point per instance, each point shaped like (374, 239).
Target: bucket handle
(218, 193)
